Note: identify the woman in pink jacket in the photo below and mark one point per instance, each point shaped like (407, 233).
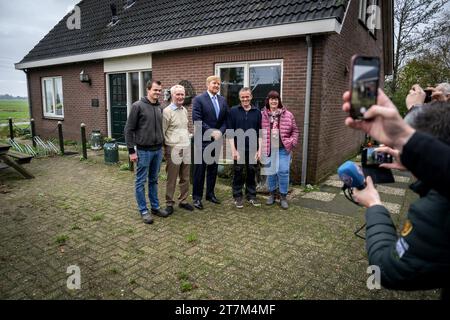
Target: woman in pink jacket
(280, 135)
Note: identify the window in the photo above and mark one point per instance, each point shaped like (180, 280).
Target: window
(146, 77)
(260, 77)
(362, 11)
(370, 15)
(232, 81)
(134, 86)
(52, 93)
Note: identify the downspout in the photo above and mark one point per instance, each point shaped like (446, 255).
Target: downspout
(307, 109)
(30, 109)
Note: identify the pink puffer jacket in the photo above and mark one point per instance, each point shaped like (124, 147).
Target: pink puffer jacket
(288, 129)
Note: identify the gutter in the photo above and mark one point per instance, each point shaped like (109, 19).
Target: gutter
(307, 110)
(30, 109)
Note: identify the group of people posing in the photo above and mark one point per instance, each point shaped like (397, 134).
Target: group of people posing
(254, 136)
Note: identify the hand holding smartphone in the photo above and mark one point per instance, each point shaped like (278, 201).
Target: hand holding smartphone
(364, 78)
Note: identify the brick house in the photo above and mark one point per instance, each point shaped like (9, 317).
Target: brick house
(301, 48)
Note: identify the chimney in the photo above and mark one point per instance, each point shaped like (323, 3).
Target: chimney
(129, 3)
(114, 16)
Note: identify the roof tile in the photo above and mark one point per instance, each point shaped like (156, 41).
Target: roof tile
(153, 21)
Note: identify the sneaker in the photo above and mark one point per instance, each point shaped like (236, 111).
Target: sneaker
(238, 203)
(254, 202)
(160, 213)
(271, 199)
(147, 218)
(283, 202)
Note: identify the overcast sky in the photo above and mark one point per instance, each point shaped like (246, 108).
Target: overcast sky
(22, 24)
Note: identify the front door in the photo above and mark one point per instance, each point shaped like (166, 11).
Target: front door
(118, 98)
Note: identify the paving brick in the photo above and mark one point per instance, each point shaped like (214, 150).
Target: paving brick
(263, 253)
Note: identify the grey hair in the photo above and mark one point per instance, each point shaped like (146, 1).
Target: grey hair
(446, 88)
(245, 89)
(434, 119)
(175, 87)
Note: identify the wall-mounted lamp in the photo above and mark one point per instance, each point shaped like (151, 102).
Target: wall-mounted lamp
(84, 77)
(166, 95)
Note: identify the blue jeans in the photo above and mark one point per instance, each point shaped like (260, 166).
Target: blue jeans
(148, 165)
(280, 163)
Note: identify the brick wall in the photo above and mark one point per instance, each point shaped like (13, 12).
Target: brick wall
(331, 142)
(77, 100)
(196, 65)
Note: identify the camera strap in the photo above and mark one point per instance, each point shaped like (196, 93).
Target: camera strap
(348, 193)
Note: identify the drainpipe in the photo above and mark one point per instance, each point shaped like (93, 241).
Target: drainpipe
(28, 92)
(307, 108)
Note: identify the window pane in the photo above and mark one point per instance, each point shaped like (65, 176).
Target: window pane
(48, 91)
(146, 76)
(362, 10)
(263, 79)
(59, 97)
(232, 81)
(134, 85)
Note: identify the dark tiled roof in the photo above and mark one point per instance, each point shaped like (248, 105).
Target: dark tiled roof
(151, 21)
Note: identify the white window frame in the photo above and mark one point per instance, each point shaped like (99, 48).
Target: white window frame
(247, 65)
(44, 100)
(362, 11)
(374, 3)
(362, 16)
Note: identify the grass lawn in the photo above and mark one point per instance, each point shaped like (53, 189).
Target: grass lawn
(16, 109)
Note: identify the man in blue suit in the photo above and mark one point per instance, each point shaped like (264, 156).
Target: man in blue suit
(211, 109)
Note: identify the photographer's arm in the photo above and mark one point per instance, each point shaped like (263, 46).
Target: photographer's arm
(429, 160)
(381, 242)
(396, 164)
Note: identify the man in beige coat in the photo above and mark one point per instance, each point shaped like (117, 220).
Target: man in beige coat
(177, 149)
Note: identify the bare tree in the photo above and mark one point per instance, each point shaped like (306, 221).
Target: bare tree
(411, 34)
(439, 40)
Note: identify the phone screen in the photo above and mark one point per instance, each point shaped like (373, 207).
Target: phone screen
(365, 82)
(370, 157)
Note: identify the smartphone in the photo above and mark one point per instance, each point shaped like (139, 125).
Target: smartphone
(365, 78)
(372, 158)
(428, 94)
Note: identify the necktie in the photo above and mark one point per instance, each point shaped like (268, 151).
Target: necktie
(216, 106)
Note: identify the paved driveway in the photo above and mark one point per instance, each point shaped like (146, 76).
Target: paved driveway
(83, 213)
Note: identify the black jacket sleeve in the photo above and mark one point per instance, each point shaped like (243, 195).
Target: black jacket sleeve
(405, 272)
(131, 127)
(223, 127)
(429, 160)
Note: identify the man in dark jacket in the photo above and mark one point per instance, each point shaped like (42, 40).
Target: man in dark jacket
(420, 258)
(210, 109)
(144, 138)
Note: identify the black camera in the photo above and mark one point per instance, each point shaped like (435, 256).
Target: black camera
(372, 158)
(428, 94)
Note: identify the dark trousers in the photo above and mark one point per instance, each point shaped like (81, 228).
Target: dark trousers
(239, 177)
(199, 179)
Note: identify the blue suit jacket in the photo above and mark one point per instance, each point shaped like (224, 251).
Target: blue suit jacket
(203, 110)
